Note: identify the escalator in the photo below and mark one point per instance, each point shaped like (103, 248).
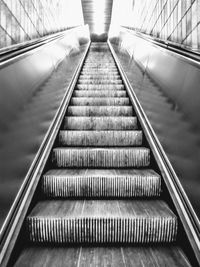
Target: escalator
(101, 200)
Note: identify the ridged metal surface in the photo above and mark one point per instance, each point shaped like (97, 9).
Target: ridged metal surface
(100, 101)
(100, 111)
(101, 188)
(100, 123)
(100, 86)
(100, 138)
(98, 76)
(97, 68)
(98, 81)
(101, 157)
(104, 256)
(62, 184)
(97, 71)
(142, 224)
(99, 93)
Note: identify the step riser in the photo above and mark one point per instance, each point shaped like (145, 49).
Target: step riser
(99, 73)
(95, 81)
(102, 80)
(99, 111)
(100, 139)
(101, 186)
(100, 123)
(99, 93)
(115, 101)
(108, 158)
(106, 70)
(91, 73)
(100, 87)
(106, 230)
(101, 70)
(102, 67)
(100, 77)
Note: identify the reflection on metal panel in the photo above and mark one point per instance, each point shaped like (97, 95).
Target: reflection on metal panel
(168, 87)
(28, 106)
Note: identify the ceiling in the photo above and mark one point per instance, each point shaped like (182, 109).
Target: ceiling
(97, 14)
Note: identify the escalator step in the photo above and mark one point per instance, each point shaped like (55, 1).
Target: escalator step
(94, 68)
(100, 123)
(98, 81)
(102, 71)
(100, 111)
(100, 138)
(100, 101)
(81, 183)
(100, 76)
(102, 221)
(99, 93)
(101, 157)
(100, 86)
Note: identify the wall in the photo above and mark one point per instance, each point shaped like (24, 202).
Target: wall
(23, 20)
(173, 20)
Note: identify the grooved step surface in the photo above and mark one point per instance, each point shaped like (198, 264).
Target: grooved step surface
(101, 157)
(100, 123)
(100, 101)
(99, 93)
(101, 183)
(102, 221)
(99, 190)
(97, 71)
(99, 81)
(100, 138)
(100, 86)
(93, 256)
(100, 111)
(100, 76)
(101, 70)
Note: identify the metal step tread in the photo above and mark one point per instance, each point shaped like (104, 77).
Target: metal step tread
(98, 256)
(102, 221)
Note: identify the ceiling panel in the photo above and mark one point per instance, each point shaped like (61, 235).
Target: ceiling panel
(97, 13)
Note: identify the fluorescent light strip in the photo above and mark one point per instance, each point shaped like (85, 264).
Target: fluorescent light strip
(99, 7)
